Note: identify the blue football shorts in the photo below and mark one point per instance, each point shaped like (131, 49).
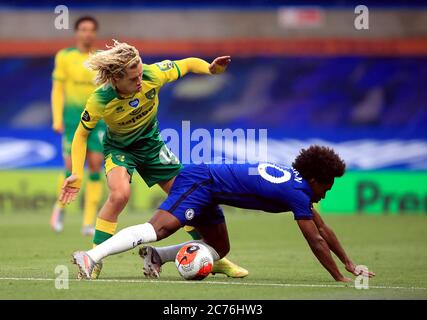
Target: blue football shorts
(190, 198)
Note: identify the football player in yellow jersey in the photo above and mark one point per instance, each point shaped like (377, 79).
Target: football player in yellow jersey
(127, 100)
(72, 85)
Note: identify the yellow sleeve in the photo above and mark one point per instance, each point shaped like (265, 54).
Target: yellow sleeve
(59, 72)
(57, 101)
(78, 154)
(89, 118)
(168, 71)
(57, 94)
(193, 65)
(92, 112)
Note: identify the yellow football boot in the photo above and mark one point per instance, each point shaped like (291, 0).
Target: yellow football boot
(229, 268)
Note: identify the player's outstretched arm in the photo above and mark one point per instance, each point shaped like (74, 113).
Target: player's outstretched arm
(320, 248)
(71, 185)
(57, 101)
(328, 234)
(219, 65)
(200, 66)
(69, 193)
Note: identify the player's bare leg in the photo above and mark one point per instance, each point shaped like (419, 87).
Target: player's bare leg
(217, 237)
(154, 257)
(160, 226)
(118, 181)
(57, 216)
(223, 265)
(106, 223)
(165, 224)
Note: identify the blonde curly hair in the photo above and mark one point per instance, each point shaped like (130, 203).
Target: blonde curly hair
(113, 62)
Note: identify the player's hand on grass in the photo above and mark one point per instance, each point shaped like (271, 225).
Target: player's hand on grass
(219, 64)
(352, 268)
(69, 193)
(58, 128)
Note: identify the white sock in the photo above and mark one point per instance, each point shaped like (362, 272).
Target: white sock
(168, 254)
(125, 239)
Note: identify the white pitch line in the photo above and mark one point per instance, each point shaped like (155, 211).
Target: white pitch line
(221, 283)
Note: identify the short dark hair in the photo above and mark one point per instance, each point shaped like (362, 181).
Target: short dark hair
(319, 163)
(83, 19)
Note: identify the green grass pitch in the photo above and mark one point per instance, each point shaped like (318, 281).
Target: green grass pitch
(280, 262)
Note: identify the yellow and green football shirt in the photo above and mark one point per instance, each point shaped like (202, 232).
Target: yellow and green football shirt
(78, 82)
(132, 118)
(132, 138)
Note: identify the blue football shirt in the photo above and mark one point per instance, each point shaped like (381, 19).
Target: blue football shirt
(264, 186)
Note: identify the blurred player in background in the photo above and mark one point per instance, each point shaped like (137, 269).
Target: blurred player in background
(72, 85)
(127, 100)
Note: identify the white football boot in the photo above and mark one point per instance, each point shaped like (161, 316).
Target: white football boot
(84, 263)
(152, 262)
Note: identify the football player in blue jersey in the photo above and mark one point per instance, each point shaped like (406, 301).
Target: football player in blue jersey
(198, 190)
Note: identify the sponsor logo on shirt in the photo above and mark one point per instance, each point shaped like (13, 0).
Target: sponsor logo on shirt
(86, 116)
(136, 111)
(134, 103)
(137, 117)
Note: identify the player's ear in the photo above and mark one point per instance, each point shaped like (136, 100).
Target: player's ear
(115, 79)
(118, 76)
(312, 182)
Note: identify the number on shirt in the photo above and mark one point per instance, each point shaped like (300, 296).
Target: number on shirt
(262, 170)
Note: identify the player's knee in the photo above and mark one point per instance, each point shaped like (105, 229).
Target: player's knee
(95, 165)
(163, 232)
(119, 198)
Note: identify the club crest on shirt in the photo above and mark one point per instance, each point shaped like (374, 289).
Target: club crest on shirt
(150, 94)
(189, 214)
(120, 157)
(134, 103)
